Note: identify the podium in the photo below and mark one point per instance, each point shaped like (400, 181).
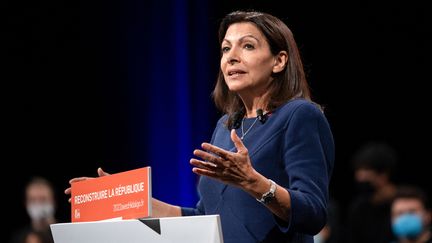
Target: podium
(187, 229)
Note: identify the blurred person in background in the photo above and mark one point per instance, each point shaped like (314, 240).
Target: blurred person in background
(35, 237)
(41, 205)
(411, 216)
(369, 212)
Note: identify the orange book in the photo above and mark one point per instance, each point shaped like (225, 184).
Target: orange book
(125, 195)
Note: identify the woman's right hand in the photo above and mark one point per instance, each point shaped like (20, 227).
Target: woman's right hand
(100, 173)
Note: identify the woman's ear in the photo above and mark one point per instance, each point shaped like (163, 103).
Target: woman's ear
(281, 60)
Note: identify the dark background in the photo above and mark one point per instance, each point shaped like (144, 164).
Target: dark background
(67, 84)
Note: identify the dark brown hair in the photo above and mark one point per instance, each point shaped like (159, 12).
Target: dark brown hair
(377, 156)
(413, 192)
(288, 84)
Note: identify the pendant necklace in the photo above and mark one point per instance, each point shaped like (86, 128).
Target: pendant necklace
(242, 129)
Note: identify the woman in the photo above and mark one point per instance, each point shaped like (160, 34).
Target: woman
(267, 168)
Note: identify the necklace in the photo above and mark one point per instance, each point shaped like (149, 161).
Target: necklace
(242, 129)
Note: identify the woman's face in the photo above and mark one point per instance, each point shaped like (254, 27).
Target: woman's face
(246, 63)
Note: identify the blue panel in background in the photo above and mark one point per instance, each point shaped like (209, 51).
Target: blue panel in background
(168, 119)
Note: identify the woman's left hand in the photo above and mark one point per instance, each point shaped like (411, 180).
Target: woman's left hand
(233, 168)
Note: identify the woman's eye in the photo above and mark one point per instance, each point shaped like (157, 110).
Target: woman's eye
(249, 46)
(225, 49)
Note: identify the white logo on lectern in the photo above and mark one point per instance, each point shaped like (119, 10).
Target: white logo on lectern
(77, 214)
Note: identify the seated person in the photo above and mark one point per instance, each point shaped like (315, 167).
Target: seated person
(411, 217)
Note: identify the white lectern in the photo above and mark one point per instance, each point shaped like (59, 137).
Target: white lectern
(190, 229)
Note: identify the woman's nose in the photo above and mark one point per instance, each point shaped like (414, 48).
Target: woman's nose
(232, 56)
(232, 60)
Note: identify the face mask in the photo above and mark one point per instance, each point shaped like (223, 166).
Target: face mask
(407, 225)
(365, 188)
(38, 211)
(318, 239)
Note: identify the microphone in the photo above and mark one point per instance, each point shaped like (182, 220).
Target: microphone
(261, 116)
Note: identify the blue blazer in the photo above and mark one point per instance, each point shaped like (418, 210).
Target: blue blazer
(294, 148)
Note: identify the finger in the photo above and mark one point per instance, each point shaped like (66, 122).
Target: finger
(205, 172)
(68, 191)
(203, 164)
(79, 179)
(69, 200)
(237, 142)
(216, 150)
(207, 156)
(101, 172)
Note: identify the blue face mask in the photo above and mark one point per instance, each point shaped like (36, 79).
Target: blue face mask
(407, 225)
